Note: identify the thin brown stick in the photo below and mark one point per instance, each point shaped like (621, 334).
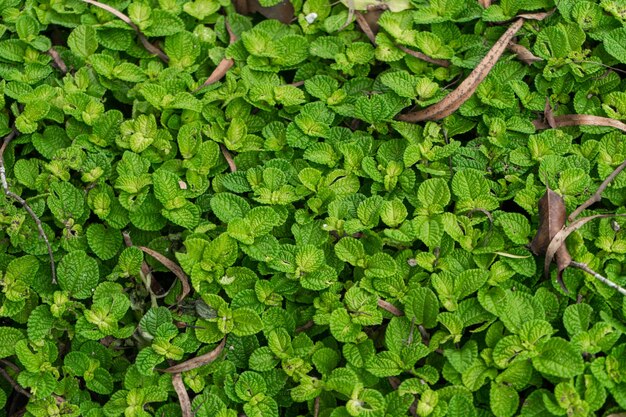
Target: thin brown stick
(58, 61)
(424, 57)
(20, 200)
(484, 3)
(142, 38)
(604, 280)
(569, 120)
(365, 27)
(387, 306)
(176, 270)
(466, 89)
(597, 196)
(229, 158)
(145, 274)
(197, 361)
(16, 387)
(183, 395)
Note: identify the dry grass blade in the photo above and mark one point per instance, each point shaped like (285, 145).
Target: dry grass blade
(523, 53)
(365, 27)
(424, 57)
(387, 306)
(568, 120)
(176, 270)
(144, 41)
(183, 396)
(24, 204)
(197, 361)
(597, 196)
(466, 89)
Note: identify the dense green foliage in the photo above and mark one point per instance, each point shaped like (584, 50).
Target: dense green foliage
(355, 264)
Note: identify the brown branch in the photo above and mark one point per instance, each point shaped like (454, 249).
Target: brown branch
(228, 157)
(305, 326)
(142, 38)
(176, 270)
(197, 361)
(24, 204)
(58, 61)
(604, 280)
(424, 57)
(387, 306)
(183, 395)
(597, 196)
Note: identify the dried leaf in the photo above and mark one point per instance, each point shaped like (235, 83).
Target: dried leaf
(183, 396)
(523, 53)
(222, 68)
(484, 3)
(365, 27)
(552, 215)
(464, 91)
(567, 120)
(176, 270)
(197, 361)
(386, 305)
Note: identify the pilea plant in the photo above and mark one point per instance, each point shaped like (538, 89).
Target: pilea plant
(207, 212)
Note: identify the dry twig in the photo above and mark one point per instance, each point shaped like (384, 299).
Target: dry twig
(387, 306)
(229, 158)
(424, 57)
(29, 210)
(58, 61)
(183, 396)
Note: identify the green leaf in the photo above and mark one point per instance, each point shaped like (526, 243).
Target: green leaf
(503, 400)
(422, 305)
(350, 250)
(559, 358)
(614, 43)
(104, 242)
(9, 336)
(82, 41)
(78, 274)
(247, 322)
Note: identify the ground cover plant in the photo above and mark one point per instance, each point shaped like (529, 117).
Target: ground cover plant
(312, 209)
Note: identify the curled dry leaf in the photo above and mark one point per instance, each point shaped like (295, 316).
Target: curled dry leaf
(183, 396)
(387, 306)
(464, 91)
(197, 361)
(568, 120)
(523, 54)
(176, 270)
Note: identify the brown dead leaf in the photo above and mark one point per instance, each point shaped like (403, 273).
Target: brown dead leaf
(197, 361)
(387, 306)
(466, 89)
(365, 27)
(523, 54)
(176, 270)
(183, 396)
(224, 65)
(552, 215)
(568, 120)
(484, 3)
